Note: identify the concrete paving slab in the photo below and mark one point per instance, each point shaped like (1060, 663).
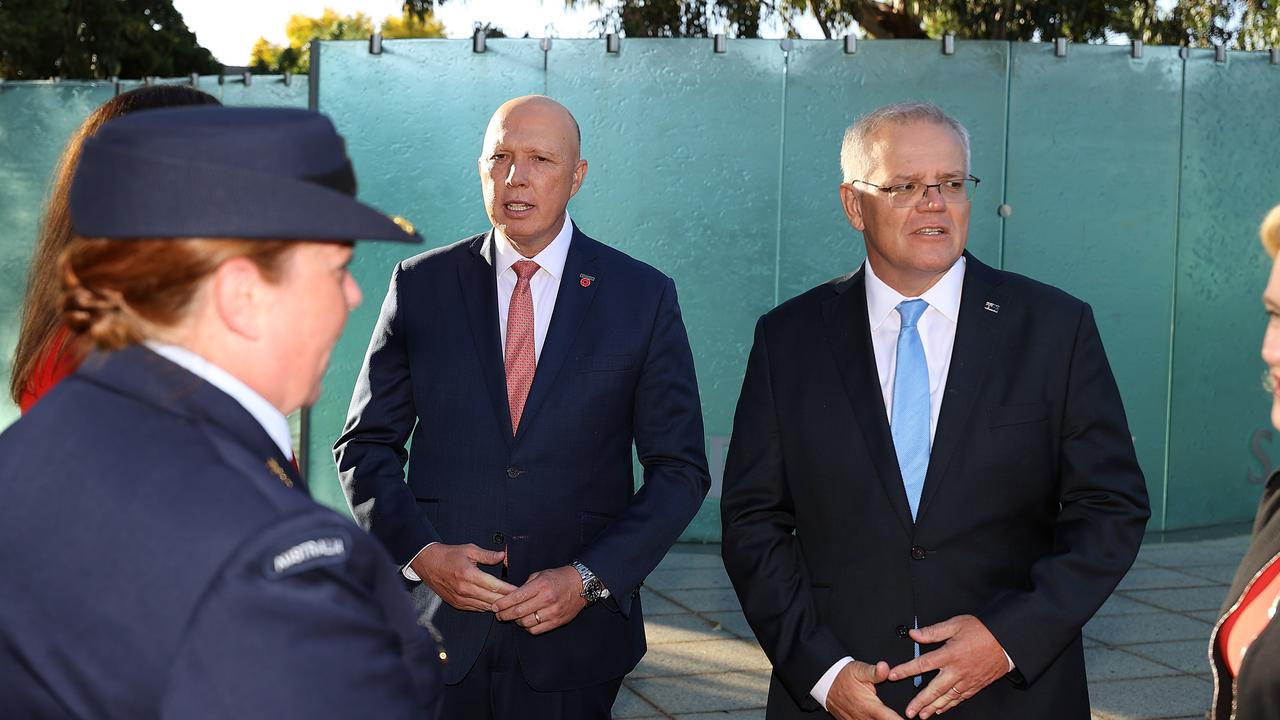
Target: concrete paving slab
(1188, 656)
(1109, 664)
(753, 714)
(688, 579)
(1181, 599)
(701, 657)
(712, 600)
(705, 693)
(685, 627)
(654, 604)
(1209, 616)
(629, 705)
(1220, 574)
(1119, 630)
(682, 560)
(1119, 604)
(1185, 554)
(1149, 698)
(1159, 577)
(733, 622)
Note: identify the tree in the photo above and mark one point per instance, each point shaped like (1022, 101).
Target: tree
(95, 39)
(300, 30)
(1245, 24)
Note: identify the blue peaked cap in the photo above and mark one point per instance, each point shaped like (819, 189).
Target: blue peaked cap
(219, 172)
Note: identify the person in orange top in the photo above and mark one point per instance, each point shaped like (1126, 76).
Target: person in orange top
(47, 351)
(1245, 646)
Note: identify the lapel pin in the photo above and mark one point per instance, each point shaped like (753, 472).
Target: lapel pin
(585, 280)
(991, 307)
(279, 472)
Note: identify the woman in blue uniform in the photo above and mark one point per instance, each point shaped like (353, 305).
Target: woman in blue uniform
(162, 558)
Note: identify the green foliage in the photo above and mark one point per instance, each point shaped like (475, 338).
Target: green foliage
(95, 39)
(295, 57)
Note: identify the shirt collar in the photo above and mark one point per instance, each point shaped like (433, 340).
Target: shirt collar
(551, 259)
(944, 296)
(272, 420)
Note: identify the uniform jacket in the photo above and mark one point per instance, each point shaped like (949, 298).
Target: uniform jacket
(1033, 506)
(615, 368)
(159, 566)
(1255, 693)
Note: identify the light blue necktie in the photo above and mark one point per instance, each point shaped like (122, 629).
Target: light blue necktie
(910, 422)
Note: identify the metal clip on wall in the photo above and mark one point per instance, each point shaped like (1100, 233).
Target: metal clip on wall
(477, 41)
(375, 44)
(612, 43)
(246, 78)
(719, 45)
(850, 45)
(1135, 49)
(1060, 47)
(949, 44)
(1220, 53)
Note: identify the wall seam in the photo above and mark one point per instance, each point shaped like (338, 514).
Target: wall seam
(1173, 298)
(782, 164)
(1004, 178)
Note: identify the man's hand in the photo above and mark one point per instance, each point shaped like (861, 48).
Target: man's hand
(451, 571)
(853, 694)
(549, 599)
(970, 659)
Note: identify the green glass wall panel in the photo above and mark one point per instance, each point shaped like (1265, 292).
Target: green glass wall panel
(1221, 441)
(1092, 181)
(828, 89)
(682, 145)
(414, 120)
(36, 119)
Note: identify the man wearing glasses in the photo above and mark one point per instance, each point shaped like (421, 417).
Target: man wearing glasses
(931, 485)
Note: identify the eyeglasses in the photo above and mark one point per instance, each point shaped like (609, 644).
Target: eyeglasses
(909, 193)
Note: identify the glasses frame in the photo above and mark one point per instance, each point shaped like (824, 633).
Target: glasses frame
(888, 190)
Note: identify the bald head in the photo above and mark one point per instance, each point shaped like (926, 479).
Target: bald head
(530, 167)
(541, 110)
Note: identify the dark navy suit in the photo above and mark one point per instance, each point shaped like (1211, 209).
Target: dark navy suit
(1033, 505)
(157, 565)
(615, 368)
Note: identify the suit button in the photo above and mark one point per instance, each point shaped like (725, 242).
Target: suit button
(902, 631)
(513, 472)
(499, 539)
(918, 553)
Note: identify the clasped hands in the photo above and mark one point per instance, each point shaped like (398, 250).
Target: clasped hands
(970, 659)
(547, 600)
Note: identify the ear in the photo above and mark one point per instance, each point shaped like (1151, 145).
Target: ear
(241, 297)
(851, 201)
(579, 174)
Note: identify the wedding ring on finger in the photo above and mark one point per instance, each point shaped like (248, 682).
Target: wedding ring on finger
(537, 620)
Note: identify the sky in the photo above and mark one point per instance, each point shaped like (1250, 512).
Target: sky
(229, 28)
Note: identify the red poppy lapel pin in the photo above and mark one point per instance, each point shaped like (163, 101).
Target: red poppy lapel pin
(585, 280)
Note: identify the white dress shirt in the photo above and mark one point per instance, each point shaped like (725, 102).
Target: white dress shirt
(937, 327)
(268, 416)
(544, 286)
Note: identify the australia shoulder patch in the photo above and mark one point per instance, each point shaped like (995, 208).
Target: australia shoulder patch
(323, 547)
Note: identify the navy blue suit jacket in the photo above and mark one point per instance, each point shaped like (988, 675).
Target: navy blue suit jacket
(157, 566)
(615, 369)
(1033, 505)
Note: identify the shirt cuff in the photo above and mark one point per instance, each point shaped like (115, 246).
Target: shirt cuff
(823, 686)
(1006, 657)
(407, 570)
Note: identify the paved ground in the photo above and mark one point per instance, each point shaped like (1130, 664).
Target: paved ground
(1145, 649)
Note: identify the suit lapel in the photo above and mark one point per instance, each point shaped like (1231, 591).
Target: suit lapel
(977, 333)
(572, 301)
(849, 335)
(479, 287)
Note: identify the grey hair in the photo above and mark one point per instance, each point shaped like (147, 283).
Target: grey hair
(854, 157)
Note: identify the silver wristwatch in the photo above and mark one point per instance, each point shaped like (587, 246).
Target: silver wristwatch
(592, 588)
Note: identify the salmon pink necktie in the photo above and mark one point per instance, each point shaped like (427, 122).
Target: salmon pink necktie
(519, 356)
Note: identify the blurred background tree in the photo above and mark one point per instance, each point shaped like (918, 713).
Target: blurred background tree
(300, 30)
(95, 39)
